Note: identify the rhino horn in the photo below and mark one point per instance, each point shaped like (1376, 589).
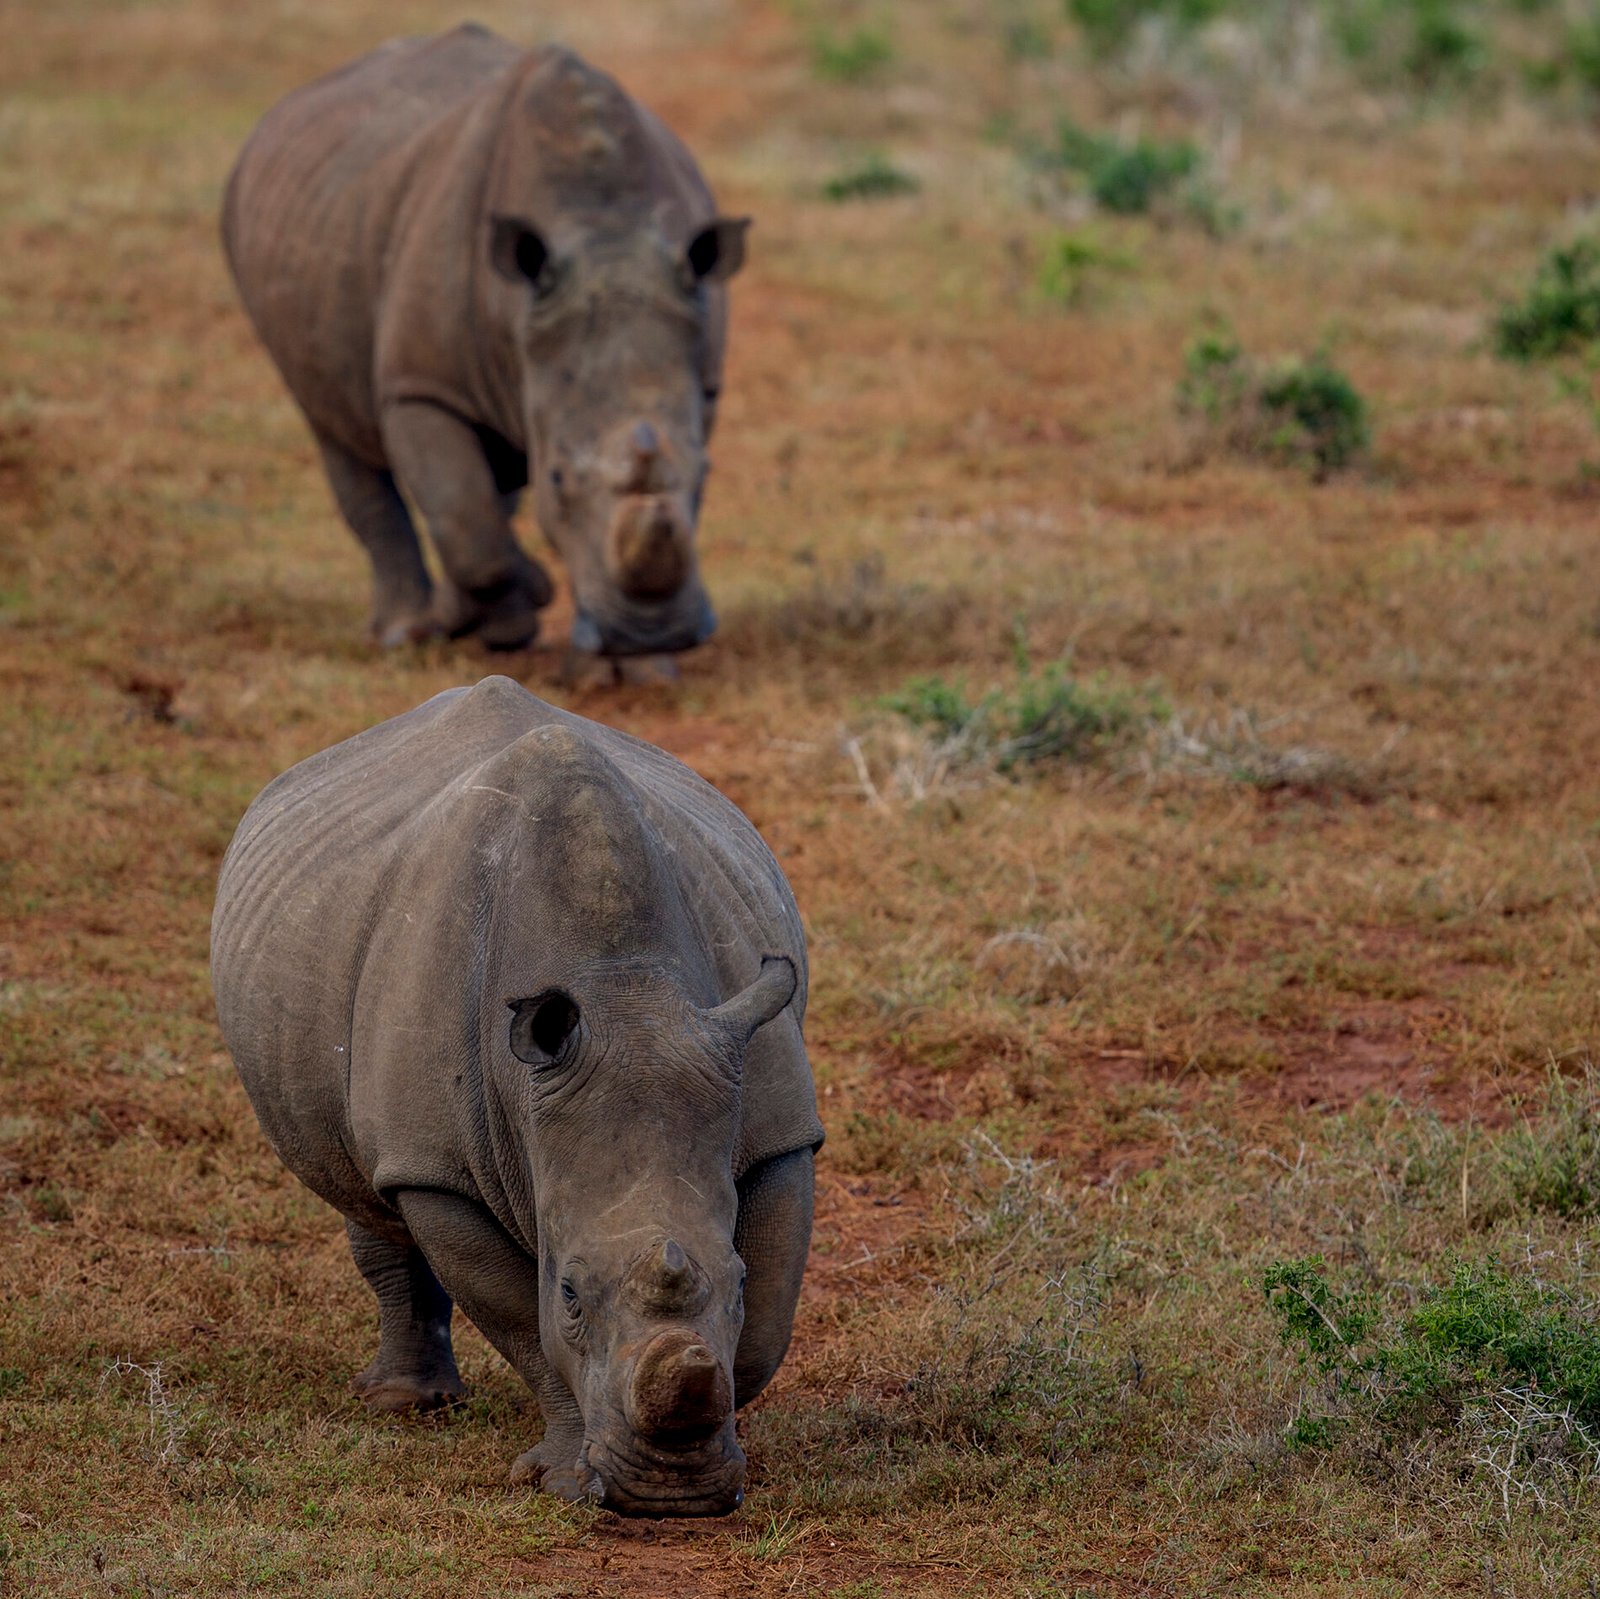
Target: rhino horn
(679, 1388)
(756, 1005)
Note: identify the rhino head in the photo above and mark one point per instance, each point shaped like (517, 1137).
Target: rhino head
(634, 1098)
(618, 327)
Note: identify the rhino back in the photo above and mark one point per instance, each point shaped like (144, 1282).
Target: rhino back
(376, 900)
(314, 198)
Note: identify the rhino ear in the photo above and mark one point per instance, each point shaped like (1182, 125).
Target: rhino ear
(519, 253)
(756, 1005)
(716, 252)
(543, 1027)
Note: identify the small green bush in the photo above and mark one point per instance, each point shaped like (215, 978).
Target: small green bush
(875, 178)
(1561, 310)
(1583, 53)
(1124, 178)
(852, 57)
(1304, 413)
(1443, 48)
(1315, 413)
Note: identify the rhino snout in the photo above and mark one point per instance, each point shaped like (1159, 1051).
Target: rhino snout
(637, 629)
(680, 1391)
(638, 1480)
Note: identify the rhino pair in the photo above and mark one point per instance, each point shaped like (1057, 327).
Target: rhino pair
(518, 995)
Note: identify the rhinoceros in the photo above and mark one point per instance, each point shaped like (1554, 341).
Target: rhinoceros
(478, 268)
(521, 997)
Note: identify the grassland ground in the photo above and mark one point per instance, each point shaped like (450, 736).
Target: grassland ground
(1299, 967)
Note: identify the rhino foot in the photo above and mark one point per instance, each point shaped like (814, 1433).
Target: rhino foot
(558, 1467)
(394, 629)
(504, 616)
(649, 670)
(384, 1393)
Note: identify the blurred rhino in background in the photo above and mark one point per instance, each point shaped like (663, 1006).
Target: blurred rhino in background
(479, 267)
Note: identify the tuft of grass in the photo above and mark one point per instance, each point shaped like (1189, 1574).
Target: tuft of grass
(1239, 748)
(1553, 1165)
(1303, 412)
(1070, 264)
(1560, 311)
(852, 57)
(874, 178)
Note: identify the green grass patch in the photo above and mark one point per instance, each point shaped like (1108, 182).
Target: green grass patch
(1482, 1332)
(852, 57)
(875, 177)
(1109, 26)
(1073, 262)
(1043, 716)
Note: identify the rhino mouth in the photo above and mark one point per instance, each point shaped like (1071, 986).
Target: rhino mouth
(639, 1479)
(641, 630)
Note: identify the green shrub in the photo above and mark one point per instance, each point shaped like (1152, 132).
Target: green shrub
(1124, 178)
(1561, 310)
(1583, 52)
(1315, 413)
(875, 178)
(1304, 413)
(852, 57)
(1442, 47)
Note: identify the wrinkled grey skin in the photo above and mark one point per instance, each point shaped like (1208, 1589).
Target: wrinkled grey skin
(477, 268)
(521, 997)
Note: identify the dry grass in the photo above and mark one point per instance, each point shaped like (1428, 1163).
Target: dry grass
(1095, 1045)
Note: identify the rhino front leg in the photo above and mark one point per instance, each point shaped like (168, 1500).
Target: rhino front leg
(415, 1368)
(371, 506)
(772, 1238)
(497, 1285)
(494, 590)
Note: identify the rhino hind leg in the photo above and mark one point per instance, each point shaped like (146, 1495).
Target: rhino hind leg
(415, 1367)
(462, 484)
(402, 609)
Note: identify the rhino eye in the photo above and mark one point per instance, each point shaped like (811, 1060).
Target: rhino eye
(543, 1026)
